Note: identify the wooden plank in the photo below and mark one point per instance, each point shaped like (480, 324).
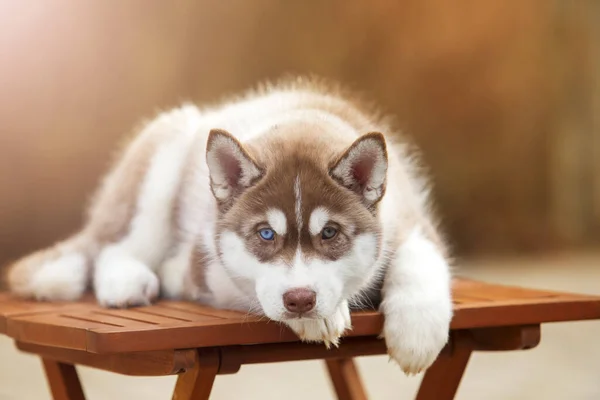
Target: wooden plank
(517, 302)
(187, 336)
(110, 319)
(279, 352)
(492, 293)
(153, 363)
(527, 314)
(487, 291)
(233, 332)
(506, 338)
(11, 306)
(133, 315)
(184, 316)
(51, 330)
(205, 310)
(175, 324)
(231, 358)
(462, 298)
(161, 315)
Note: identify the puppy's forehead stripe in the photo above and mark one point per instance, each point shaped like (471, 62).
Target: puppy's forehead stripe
(277, 221)
(318, 218)
(298, 205)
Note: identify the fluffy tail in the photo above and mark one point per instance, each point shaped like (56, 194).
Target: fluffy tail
(60, 272)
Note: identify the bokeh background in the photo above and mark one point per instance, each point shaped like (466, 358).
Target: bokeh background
(503, 98)
(499, 95)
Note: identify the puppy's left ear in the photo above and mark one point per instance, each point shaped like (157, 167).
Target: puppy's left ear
(231, 167)
(362, 168)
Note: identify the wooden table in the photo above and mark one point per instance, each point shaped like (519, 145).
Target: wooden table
(197, 343)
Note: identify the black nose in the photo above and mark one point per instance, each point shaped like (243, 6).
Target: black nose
(299, 300)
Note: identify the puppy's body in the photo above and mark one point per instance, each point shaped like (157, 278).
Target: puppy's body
(297, 213)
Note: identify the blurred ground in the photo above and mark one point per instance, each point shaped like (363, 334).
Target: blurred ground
(565, 365)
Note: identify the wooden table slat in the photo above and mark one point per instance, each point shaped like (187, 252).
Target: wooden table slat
(175, 324)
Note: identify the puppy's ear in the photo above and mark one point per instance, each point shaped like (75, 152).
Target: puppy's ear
(231, 168)
(362, 168)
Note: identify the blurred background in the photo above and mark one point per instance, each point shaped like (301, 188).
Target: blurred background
(500, 96)
(503, 98)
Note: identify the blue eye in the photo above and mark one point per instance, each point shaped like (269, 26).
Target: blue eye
(267, 234)
(328, 233)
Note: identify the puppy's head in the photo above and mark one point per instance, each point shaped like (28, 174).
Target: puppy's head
(298, 227)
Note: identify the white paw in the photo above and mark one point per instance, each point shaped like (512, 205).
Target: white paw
(62, 279)
(415, 334)
(124, 282)
(44, 277)
(327, 330)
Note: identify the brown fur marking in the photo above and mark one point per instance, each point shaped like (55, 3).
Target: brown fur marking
(285, 161)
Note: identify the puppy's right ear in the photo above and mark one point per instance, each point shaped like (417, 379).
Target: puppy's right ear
(231, 168)
(363, 168)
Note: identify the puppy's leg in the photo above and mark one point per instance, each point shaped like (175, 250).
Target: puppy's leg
(417, 303)
(125, 273)
(174, 273)
(60, 272)
(328, 330)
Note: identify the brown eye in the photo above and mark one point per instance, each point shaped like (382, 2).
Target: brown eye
(328, 233)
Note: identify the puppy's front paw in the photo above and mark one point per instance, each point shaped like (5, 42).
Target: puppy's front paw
(415, 334)
(327, 330)
(131, 284)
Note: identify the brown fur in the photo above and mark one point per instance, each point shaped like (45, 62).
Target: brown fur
(379, 138)
(284, 160)
(225, 205)
(113, 209)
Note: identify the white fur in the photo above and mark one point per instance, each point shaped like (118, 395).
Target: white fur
(151, 229)
(298, 203)
(327, 330)
(277, 221)
(122, 280)
(225, 293)
(318, 218)
(417, 304)
(124, 271)
(331, 280)
(62, 279)
(173, 272)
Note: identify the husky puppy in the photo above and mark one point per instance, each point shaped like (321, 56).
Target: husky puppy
(290, 201)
